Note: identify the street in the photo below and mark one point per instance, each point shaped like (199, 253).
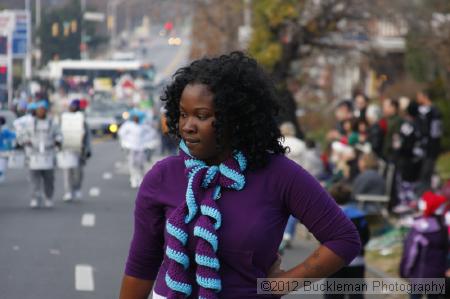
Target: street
(41, 249)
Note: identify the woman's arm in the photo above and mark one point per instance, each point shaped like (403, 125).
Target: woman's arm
(135, 288)
(146, 249)
(321, 263)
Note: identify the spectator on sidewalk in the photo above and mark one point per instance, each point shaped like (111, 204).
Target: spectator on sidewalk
(391, 126)
(410, 157)
(356, 269)
(361, 102)
(369, 180)
(343, 112)
(391, 123)
(312, 161)
(426, 245)
(431, 124)
(375, 133)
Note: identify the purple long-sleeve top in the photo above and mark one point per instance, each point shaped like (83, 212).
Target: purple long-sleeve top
(253, 222)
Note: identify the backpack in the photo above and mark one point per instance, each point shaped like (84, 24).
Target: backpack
(425, 249)
(358, 218)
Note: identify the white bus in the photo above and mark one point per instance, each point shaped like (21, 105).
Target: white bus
(92, 69)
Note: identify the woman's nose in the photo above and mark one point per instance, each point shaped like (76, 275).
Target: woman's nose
(188, 126)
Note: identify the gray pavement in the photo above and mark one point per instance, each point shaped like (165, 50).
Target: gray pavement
(40, 249)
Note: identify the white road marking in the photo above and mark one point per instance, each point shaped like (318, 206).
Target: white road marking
(88, 219)
(107, 176)
(170, 69)
(94, 192)
(16, 248)
(55, 252)
(84, 278)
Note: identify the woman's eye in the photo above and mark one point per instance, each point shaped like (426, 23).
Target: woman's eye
(202, 117)
(183, 115)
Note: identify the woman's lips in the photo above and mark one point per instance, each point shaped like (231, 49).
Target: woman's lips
(191, 141)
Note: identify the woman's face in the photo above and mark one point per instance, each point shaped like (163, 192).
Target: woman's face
(196, 124)
(362, 128)
(360, 102)
(347, 126)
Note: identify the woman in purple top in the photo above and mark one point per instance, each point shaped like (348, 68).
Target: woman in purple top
(209, 221)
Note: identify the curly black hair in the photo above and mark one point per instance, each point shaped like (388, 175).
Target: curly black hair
(245, 103)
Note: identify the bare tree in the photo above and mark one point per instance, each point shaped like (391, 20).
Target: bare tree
(215, 27)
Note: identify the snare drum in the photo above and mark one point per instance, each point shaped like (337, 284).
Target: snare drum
(67, 159)
(41, 161)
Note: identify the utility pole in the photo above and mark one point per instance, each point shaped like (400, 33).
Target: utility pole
(127, 18)
(112, 23)
(37, 40)
(27, 62)
(83, 46)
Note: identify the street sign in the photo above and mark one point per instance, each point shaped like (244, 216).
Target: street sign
(6, 22)
(94, 16)
(20, 34)
(15, 36)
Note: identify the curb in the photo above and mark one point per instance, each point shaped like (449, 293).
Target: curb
(377, 272)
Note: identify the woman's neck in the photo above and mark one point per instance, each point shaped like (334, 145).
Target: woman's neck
(220, 158)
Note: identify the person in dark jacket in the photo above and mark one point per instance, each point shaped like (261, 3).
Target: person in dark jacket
(431, 126)
(410, 157)
(361, 102)
(375, 134)
(356, 269)
(368, 181)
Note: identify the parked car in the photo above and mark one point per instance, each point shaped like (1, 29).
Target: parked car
(105, 117)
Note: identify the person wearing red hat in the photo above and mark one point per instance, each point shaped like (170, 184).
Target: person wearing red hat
(426, 245)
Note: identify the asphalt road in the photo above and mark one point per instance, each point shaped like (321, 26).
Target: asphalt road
(40, 250)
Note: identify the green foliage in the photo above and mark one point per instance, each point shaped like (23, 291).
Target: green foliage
(418, 60)
(268, 18)
(443, 166)
(444, 107)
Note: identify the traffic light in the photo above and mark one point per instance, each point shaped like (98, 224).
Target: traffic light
(110, 23)
(3, 74)
(55, 29)
(73, 26)
(66, 28)
(168, 26)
